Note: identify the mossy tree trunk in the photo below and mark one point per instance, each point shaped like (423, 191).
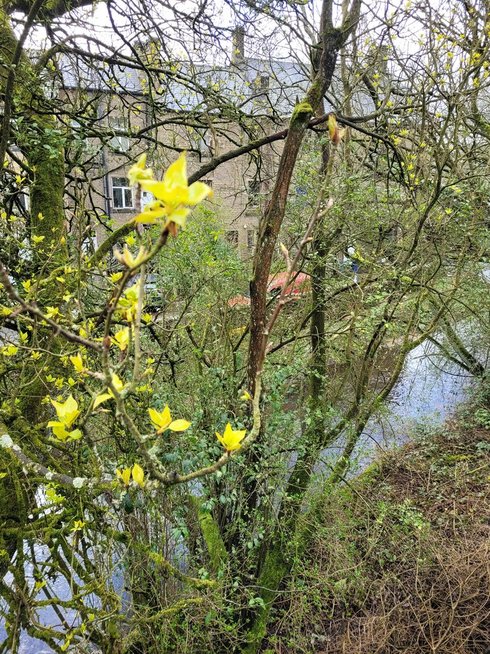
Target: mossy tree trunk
(275, 565)
(41, 145)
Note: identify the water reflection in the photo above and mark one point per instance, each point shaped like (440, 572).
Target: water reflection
(428, 391)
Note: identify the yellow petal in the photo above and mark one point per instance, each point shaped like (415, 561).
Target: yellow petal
(176, 174)
(75, 435)
(59, 430)
(121, 339)
(179, 216)
(67, 411)
(138, 475)
(139, 171)
(101, 398)
(124, 475)
(117, 383)
(159, 189)
(179, 425)
(77, 362)
(151, 215)
(160, 419)
(198, 192)
(141, 163)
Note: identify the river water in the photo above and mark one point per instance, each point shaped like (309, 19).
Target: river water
(428, 391)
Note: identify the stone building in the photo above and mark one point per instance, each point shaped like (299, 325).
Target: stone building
(206, 109)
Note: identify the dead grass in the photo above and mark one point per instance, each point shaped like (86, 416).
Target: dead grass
(401, 562)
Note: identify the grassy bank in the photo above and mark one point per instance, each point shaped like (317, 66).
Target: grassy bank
(400, 560)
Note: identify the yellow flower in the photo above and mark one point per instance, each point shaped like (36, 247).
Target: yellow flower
(121, 339)
(136, 472)
(138, 475)
(78, 525)
(77, 362)
(124, 475)
(128, 303)
(66, 411)
(115, 277)
(231, 439)
(62, 434)
(139, 172)
(173, 194)
(163, 421)
(245, 396)
(109, 395)
(52, 312)
(127, 258)
(9, 350)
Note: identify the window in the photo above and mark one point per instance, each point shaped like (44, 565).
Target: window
(202, 141)
(146, 198)
(119, 142)
(264, 83)
(89, 243)
(254, 192)
(122, 193)
(232, 237)
(250, 238)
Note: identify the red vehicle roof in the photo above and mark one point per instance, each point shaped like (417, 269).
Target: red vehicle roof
(297, 286)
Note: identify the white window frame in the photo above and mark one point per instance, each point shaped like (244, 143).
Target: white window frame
(124, 194)
(119, 142)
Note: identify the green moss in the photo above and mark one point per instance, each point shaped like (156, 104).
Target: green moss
(215, 546)
(302, 111)
(274, 570)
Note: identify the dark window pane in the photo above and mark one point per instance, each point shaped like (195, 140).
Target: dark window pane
(232, 237)
(128, 197)
(117, 196)
(253, 191)
(264, 82)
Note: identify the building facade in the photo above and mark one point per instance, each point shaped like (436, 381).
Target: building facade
(205, 110)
